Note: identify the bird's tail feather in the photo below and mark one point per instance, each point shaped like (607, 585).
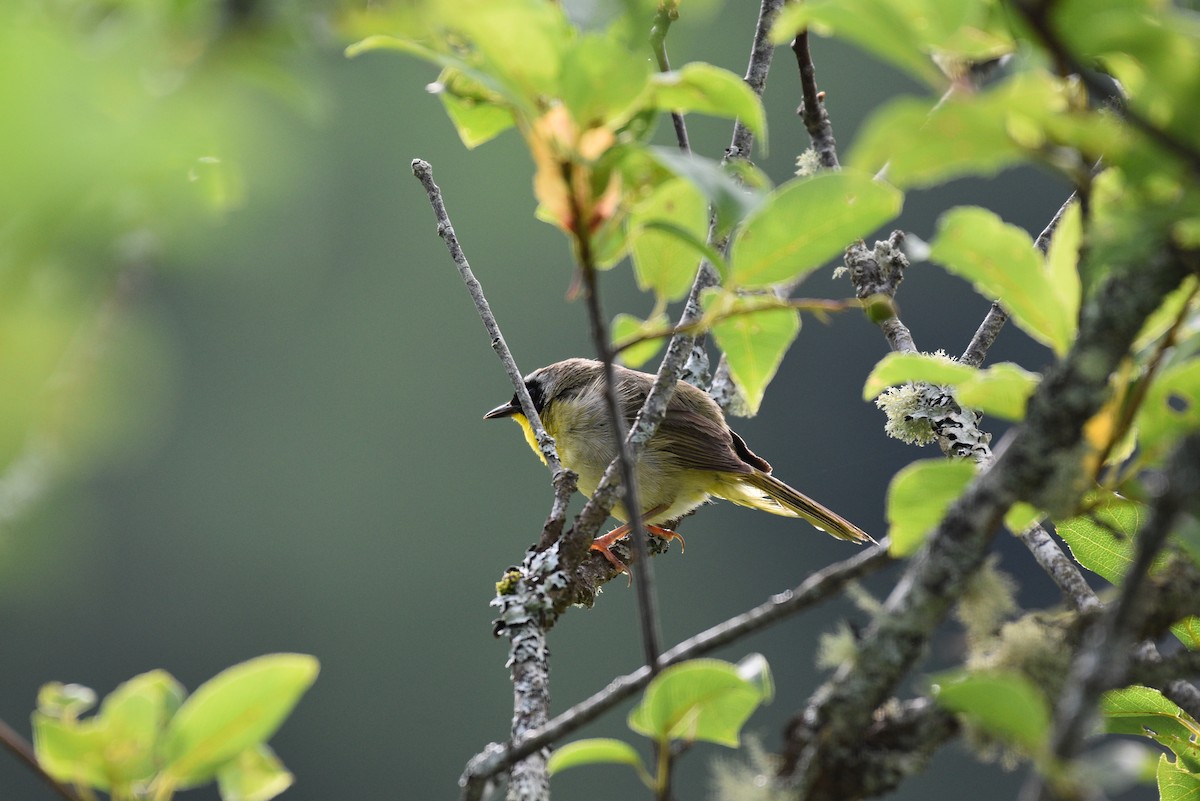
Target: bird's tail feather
(784, 500)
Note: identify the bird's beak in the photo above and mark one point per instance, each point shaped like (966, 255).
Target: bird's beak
(507, 410)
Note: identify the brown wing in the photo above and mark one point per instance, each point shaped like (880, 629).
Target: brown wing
(700, 443)
(694, 425)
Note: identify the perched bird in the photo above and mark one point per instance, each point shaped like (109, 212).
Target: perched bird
(694, 455)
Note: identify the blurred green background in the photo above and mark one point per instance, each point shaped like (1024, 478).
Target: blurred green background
(277, 444)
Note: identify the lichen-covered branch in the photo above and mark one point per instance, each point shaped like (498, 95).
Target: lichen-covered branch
(526, 604)
(757, 70)
(818, 587)
(876, 275)
(1036, 466)
(1102, 659)
(1062, 570)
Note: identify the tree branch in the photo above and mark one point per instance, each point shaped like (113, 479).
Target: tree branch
(526, 602)
(424, 173)
(644, 579)
(819, 586)
(1102, 659)
(1036, 14)
(666, 14)
(1076, 591)
(759, 67)
(812, 108)
(1031, 468)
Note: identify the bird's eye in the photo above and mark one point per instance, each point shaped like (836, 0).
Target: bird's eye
(536, 394)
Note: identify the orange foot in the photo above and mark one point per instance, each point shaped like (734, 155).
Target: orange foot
(605, 541)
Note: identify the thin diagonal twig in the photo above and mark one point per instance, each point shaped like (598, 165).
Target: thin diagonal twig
(525, 608)
(666, 14)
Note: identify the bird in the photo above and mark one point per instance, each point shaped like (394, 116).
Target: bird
(693, 457)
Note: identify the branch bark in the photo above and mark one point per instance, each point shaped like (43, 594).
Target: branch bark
(1102, 660)
(1035, 466)
(818, 587)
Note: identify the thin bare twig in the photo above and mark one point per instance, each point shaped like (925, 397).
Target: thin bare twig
(1061, 569)
(424, 173)
(759, 67)
(812, 107)
(644, 575)
(684, 348)
(985, 336)
(526, 607)
(666, 14)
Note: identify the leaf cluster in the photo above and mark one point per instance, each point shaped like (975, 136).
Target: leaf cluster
(701, 700)
(149, 738)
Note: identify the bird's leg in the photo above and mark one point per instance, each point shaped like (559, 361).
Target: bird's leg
(605, 541)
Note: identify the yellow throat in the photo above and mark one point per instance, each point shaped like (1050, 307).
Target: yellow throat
(523, 421)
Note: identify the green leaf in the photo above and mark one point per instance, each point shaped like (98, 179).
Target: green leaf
(597, 751)
(480, 78)
(1005, 704)
(711, 90)
(699, 247)
(880, 27)
(925, 142)
(1165, 315)
(664, 261)
(1002, 390)
(1175, 782)
(626, 327)
(1188, 632)
(73, 753)
(1062, 261)
(900, 368)
(1020, 516)
(237, 709)
(732, 199)
(806, 222)
(754, 343)
(918, 498)
(1001, 262)
(1138, 709)
(702, 699)
(515, 48)
(133, 717)
(1170, 409)
(1103, 540)
(66, 701)
(522, 42)
(256, 774)
(602, 81)
(478, 114)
